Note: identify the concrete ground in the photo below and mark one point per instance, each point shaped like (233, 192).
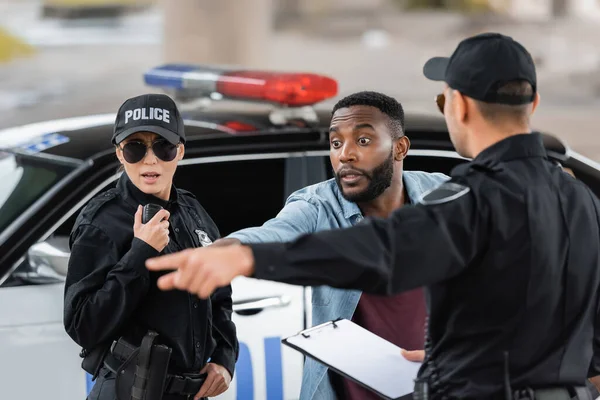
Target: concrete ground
(91, 67)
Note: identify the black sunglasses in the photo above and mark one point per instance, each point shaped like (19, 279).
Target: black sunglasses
(440, 100)
(135, 150)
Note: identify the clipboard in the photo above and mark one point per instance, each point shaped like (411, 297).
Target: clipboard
(359, 355)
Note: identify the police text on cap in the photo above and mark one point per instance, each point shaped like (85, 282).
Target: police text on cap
(158, 114)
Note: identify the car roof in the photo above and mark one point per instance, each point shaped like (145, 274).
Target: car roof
(85, 137)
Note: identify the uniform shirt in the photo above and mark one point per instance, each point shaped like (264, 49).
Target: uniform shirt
(399, 319)
(109, 293)
(508, 250)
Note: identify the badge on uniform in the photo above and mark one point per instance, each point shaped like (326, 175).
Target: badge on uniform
(446, 192)
(203, 237)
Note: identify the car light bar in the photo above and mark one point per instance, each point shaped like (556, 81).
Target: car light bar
(284, 88)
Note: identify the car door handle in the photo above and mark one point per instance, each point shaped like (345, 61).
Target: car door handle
(254, 306)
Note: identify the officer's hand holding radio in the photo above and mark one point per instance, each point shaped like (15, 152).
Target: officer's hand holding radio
(155, 232)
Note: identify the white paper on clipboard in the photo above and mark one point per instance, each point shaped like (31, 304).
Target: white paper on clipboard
(360, 355)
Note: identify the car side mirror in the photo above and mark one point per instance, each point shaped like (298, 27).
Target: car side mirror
(47, 262)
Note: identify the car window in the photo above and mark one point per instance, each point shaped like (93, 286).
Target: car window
(301, 172)
(243, 193)
(236, 193)
(23, 180)
(240, 194)
(423, 160)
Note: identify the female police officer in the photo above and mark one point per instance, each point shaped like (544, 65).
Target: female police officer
(110, 298)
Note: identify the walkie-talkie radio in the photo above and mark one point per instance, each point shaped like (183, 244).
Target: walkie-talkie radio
(149, 211)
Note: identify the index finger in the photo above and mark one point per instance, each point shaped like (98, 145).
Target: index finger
(137, 218)
(160, 215)
(168, 261)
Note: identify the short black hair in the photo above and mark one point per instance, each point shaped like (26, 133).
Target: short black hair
(498, 113)
(386, 104)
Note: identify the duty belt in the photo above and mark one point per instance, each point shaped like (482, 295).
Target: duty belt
(179, 384)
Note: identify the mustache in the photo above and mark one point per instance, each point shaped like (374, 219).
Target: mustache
(344, 171)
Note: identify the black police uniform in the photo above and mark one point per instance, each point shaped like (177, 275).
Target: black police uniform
(113, 308)
(109, 292)
(508, 249)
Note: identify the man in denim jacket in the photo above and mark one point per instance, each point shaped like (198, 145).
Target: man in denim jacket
(368, 147)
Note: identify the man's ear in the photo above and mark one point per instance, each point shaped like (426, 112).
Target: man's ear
(401, 148)
(181, 152)
(536, 102)
(459, 105)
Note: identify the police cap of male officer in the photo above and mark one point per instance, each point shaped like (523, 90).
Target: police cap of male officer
(508, 248)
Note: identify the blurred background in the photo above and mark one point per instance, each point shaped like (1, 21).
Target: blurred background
(63, 58)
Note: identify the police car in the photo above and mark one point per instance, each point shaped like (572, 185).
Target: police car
(254, 137)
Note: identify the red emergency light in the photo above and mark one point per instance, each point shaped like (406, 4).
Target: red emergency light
(285, 88)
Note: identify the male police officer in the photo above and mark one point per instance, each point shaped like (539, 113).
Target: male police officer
(508, 247)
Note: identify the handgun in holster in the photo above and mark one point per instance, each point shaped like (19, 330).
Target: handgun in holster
(141, 371)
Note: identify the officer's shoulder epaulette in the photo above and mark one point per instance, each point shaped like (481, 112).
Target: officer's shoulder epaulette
(96, 204)
(477, 166)
(186, 198)
(183, 192)
(446, 192)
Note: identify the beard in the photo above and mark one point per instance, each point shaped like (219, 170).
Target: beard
(380, 178)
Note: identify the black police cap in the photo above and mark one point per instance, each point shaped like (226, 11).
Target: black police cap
(156, 113)
(483, 63)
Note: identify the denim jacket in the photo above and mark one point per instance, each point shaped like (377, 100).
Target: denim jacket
(316, 208)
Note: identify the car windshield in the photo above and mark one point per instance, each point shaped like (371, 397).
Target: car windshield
(23, 180)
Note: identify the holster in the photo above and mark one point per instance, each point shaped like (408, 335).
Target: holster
(93, 360)
(143, 374)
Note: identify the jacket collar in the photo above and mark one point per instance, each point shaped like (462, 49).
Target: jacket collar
(135, 196)
(524, 145)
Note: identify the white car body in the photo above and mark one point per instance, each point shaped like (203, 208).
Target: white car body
(38, 360)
